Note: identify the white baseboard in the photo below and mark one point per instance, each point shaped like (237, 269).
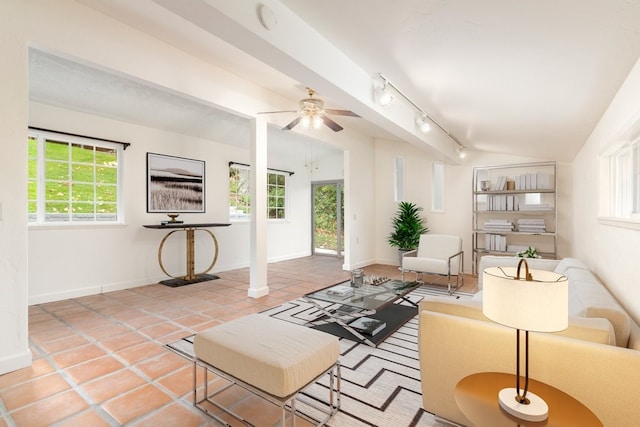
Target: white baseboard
(15, 361)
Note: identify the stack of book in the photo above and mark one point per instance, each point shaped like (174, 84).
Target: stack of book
(340, 291)
(368, 325)
(498, 225)
(535, 207)
(531, 225)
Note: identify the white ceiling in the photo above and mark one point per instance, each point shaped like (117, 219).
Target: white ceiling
(526, 77)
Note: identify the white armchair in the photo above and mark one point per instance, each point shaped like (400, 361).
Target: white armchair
(439, 254)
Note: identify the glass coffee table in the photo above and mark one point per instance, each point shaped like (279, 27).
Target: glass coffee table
(365, 300)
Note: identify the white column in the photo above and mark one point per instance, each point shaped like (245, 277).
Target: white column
(258, 233)
(14, 114)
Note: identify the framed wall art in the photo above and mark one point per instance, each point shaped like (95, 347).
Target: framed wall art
(175, 184)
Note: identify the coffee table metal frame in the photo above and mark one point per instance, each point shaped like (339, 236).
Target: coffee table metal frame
(365, 301)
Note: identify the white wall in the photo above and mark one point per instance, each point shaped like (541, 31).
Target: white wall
(611, 251)
(71, 261)
(79, 261)
(457, 216)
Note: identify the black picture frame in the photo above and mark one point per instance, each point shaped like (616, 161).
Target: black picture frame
(175, 184)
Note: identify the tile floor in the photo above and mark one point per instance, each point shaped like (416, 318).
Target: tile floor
(100, 360)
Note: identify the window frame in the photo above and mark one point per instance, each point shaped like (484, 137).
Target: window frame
(620, 181)
(270, 172)
(39, 218)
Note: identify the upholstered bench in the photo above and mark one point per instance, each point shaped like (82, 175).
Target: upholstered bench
(272, 358)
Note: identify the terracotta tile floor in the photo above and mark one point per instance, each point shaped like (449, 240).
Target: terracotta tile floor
(100, 360)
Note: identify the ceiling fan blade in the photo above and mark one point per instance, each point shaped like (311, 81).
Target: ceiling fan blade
(292, 124)
(276, 112)
(331, 124)
(342, 113)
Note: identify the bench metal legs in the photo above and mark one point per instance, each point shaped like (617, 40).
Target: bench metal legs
(287, 404)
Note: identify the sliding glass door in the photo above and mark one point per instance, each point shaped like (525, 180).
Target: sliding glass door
(328, 218)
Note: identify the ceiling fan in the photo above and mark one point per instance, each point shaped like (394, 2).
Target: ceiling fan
(312, 113)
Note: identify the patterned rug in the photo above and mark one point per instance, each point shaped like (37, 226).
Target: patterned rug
(380, 386)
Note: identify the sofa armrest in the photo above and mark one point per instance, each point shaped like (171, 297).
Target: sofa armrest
(603, 377)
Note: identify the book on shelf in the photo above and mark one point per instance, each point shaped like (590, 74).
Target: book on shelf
(495, 242)
(368, 325)
(535, 207)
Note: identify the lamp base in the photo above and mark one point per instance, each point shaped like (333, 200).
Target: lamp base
(536, 410)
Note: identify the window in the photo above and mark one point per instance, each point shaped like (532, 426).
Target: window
(437, 187)
(72, 179)
(239, 200)
(239, 203)
(275, 195)
(398, 163)
(625, 181)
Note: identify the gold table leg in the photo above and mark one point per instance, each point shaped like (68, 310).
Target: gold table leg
(190, 267)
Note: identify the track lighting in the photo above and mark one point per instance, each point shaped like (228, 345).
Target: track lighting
(423, 123)
(383, 94)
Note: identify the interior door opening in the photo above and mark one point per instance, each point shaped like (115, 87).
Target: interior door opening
(328, 218)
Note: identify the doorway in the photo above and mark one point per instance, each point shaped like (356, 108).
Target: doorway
(327, 204)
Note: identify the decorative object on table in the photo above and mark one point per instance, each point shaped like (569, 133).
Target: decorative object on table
(175, 185)
(530, 252)
(172, 219)
(340, 291)
(537, 304)
(368, 325)
(375, 280)
(408, 225)
(357, 277)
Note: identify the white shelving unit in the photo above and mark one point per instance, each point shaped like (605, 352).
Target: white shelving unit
(514, 207)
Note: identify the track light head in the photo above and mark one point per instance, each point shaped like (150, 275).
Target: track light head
(423, 123)
(382, 93)
(461, 153)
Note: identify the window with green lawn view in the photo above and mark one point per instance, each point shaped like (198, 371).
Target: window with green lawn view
(72, 179)
(239, 201)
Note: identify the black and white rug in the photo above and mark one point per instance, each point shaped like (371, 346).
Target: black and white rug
(380, 385)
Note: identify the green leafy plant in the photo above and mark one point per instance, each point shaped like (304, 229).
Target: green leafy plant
(408, 225)
(530, 252)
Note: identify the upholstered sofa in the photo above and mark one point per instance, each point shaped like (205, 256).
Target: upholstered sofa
(596, 359)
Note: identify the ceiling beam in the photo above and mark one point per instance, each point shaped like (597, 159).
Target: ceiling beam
(294, 48)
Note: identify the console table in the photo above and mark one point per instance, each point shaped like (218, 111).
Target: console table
(191, 276)
(477, 398)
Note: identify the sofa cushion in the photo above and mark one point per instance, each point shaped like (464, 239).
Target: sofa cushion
(589, 298)
(428, 265)
(618, 318)
(567, 263)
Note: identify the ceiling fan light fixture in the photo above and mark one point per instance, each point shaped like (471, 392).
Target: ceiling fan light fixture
(305, 121)
(423, 123)
(317, 121)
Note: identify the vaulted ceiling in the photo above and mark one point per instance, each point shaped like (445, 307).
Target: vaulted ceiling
(524, 77)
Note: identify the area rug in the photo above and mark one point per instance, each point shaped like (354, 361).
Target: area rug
(380, 385)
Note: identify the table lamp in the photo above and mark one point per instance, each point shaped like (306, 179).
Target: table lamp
(538, 304)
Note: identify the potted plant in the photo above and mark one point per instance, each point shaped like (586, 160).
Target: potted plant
(408, 225)
(530, 252)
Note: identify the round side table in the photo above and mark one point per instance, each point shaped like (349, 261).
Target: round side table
(477, 398)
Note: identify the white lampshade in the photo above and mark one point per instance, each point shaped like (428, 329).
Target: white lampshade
(539, 305)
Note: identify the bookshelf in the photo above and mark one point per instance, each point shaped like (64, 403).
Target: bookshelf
(514, 207)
